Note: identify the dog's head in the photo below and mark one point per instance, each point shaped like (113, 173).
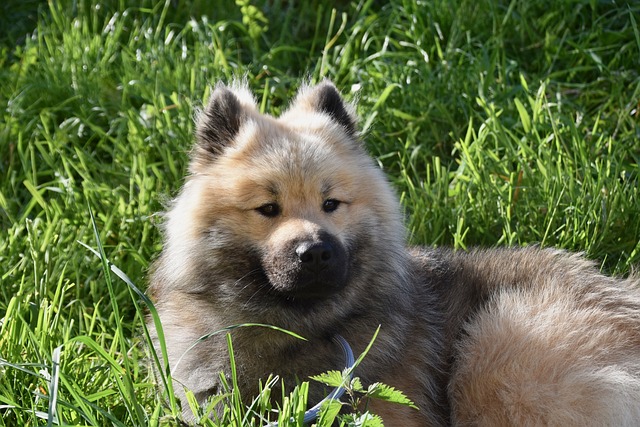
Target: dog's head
(288, 211)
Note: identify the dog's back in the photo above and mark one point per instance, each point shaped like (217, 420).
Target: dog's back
(538, 337)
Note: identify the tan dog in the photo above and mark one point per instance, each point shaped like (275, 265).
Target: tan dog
(287, 221)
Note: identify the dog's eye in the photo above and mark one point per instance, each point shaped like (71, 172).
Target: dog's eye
(330, 205)
(269, 210)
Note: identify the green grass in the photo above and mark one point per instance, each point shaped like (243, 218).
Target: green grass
(500, 123)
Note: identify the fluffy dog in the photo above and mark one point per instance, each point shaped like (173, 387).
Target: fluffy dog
(288, 222)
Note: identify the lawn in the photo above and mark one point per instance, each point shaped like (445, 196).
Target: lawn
(499, 122)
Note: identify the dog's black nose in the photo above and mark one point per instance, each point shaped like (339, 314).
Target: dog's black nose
(315, 255)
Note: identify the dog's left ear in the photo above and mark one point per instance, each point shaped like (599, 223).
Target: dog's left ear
(325, 98)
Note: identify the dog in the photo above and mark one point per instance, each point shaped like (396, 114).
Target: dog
(289, 222)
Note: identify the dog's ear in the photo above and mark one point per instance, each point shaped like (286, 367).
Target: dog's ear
(325, 98)
(220, 121)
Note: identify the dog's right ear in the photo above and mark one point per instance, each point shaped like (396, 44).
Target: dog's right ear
(219, 123)
(326, 99)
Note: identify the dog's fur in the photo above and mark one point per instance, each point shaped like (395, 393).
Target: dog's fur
(286, 221)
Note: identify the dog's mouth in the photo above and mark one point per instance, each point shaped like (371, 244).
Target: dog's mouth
(311, 289)
(314, 269)
(290, 288)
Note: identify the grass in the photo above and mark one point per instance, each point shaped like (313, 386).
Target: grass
(500, 123)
